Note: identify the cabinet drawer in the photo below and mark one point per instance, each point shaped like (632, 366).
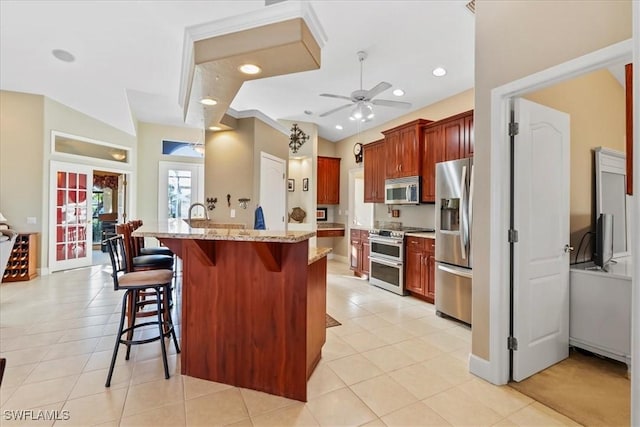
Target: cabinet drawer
(329, 233)
(416, 243)
(430, 245)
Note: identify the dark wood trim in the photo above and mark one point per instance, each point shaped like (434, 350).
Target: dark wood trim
(269, 254)
(628, 71)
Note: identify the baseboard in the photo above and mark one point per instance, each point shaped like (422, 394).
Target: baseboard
(42, 271)
(338, 258)
(482, 368)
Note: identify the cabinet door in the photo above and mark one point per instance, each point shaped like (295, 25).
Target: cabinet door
(453, 137)
(391, 142)
(333, 181)
(356, 248)
(328, 186)
(430, 270)
(468, 136)
(370, 159)
(366, 250)
(432, 154)
(380, 173)
(413, 271)
(409, 154)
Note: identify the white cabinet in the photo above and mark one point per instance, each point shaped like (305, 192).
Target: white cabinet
(600, 309)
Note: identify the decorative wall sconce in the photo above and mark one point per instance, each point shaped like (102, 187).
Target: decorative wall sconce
(297, 138)
(211, 203)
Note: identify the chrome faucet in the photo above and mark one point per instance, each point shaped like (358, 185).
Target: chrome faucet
(193, 205)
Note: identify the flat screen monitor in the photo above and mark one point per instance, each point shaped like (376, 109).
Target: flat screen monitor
(604, 241)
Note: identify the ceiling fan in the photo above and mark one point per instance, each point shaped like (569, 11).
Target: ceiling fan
(363, 99)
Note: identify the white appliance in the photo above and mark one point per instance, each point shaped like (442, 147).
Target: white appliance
(386, 257)
(454, 196)
(402, 191)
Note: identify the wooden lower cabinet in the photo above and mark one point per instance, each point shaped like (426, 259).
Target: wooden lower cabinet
(359, 252)
(420, 267)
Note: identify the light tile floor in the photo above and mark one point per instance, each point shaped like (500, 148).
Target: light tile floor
(392, 362)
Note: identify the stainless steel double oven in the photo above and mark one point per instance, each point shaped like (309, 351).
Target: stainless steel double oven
(387, 257)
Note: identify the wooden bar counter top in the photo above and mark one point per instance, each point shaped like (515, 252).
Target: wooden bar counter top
(253, 305)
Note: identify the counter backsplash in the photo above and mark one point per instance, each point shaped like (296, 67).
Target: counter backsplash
(410, 215)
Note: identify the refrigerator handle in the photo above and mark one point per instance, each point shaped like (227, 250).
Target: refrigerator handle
(462, 214)
(470, 205)
(456, 271)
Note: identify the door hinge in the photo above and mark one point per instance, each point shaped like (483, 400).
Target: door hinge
(512, 343)
(513, 236)
(514, 129)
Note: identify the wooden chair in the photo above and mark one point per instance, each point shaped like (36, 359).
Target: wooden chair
(157, 282)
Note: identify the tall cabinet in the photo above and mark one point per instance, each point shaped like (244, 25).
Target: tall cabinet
(447, 139)
(374, 171)
(328, 181)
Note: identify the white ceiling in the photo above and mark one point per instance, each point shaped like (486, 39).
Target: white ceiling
(129, 57)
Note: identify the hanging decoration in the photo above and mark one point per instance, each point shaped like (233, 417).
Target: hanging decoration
(297, 138)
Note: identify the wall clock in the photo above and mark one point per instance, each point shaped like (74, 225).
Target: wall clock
(357, 151)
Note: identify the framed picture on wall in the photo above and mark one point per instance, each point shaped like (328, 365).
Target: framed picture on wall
(291, 185)
(321, 214)
(305, 184)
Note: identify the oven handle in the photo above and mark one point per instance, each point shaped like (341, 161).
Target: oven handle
(385, 262)
(387, 241)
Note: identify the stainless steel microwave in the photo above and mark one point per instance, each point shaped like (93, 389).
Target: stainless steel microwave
(402, 191)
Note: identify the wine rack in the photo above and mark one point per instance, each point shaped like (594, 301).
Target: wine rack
(22, 261)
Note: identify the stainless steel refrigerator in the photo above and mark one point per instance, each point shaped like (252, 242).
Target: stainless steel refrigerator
(454, 196)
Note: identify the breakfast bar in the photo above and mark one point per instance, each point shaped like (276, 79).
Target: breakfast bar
(253, 305)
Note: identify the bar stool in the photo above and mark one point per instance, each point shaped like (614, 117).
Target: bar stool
(136, 261)
(156, 281)
(141, 249)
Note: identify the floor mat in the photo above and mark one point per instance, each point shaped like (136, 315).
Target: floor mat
(589, 389)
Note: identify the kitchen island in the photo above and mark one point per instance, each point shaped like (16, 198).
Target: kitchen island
(253, 305)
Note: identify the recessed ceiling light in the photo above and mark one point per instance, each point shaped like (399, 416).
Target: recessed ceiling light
(439, 72)
(208, 101)
(63, 55)
(215, 128)
(250, 69)
(339, 127)
(398, 92)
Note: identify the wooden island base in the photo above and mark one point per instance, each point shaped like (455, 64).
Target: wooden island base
(253, 313)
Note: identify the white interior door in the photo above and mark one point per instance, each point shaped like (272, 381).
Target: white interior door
(70, 214)
(179, 185)
(541, 257)
(273, 191)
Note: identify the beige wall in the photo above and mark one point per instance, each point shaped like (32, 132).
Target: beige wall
(26, 123)
(513, 40)
(232, 166)
(21, 158)
(150, 136)
(596, 104)
(411, 215)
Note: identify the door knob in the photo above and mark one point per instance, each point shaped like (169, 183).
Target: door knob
(568, 248)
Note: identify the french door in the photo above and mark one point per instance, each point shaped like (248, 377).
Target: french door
(179, 185)
(70, 230)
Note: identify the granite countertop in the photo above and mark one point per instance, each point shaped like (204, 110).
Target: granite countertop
(361, 227)
(317, 253)
(330, 226)
(424, 235)
(179, 229)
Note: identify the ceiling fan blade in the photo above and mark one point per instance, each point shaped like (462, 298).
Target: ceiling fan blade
(388, 103)
(377, 89)
(330, 95)
(335, 110)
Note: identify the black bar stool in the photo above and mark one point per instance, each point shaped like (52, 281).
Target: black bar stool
(156, 282)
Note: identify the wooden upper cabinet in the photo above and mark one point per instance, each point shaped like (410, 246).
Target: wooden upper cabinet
(453, 138)
(374, 171)
(447, 139)
(432, 153)
(404, 149)
(328, 181)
